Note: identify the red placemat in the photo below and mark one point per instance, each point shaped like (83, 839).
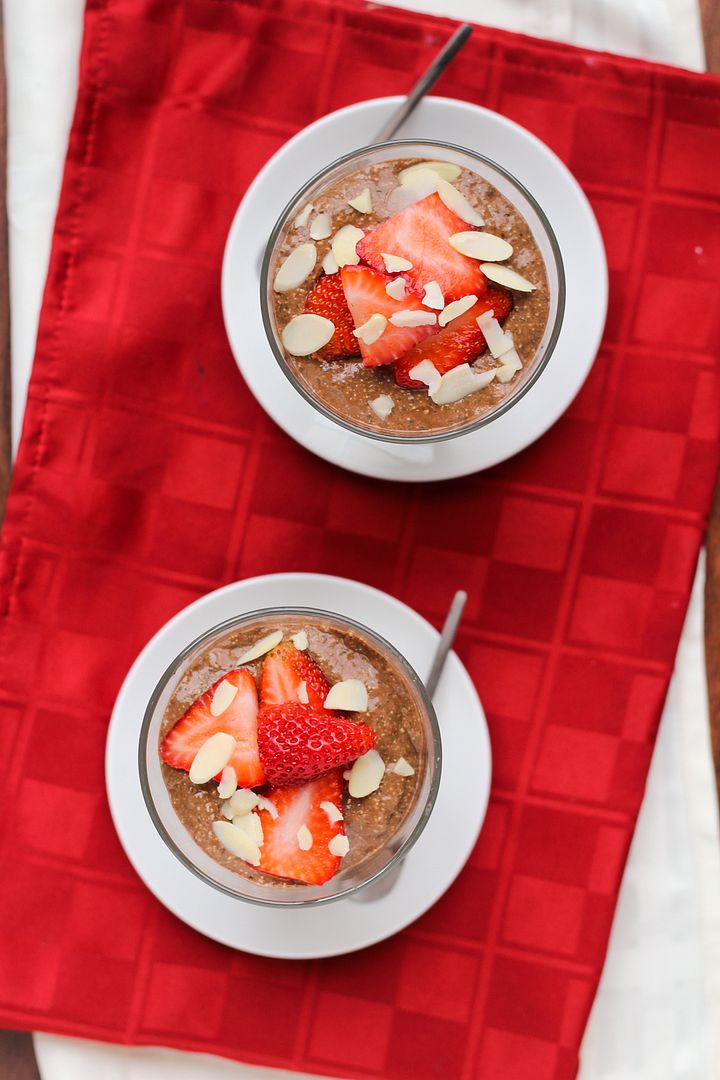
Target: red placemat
(147, 475)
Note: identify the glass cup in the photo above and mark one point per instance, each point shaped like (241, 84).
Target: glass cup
(286, 894)
(508, 186)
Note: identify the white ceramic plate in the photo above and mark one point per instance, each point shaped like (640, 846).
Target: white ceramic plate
(565, 205)
(430, 867)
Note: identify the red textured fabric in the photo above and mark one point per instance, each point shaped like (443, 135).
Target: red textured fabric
(146, 477)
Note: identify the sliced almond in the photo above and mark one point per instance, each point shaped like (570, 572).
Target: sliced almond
(243, 801)
(304, 216)
(223, 697)
(498, 340)
(433, 296)
(459, 382)
(333, 814)
(456, 309)
(482, 246)
(403, 767)
(413, 318)
(300, 640)
(371, 330)
(329, 264)
(237, 842)
(228, 783)
(299, 264)
(503, 275)
(339, 845)
(366, 775)
(418, 186)
(321, 227)
(456, 201)
(226, 810)
(362, 202)
(395, 263)
(251, 825)
(440, 168)
(305, 334)
(264, 803)
(346, 774)
(343, 245)
(505, 373)
(262, 646)
(350, 695)
(425, 372)
(302, 693)
(396, 288)
(304, 838)
(512, 359)
(212, 757)
(382, 406)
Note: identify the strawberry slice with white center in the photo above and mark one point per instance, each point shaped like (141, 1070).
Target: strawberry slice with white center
(421, 234)
(284, 670)
(366, 295)
(299, 805)
(238, 718)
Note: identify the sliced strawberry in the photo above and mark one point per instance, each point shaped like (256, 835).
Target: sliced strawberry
(299, 742)
(296, 806)
(420, 234)
(239, 719)
(328, 299)
(283, 671)
(460, 342)
(366, 296)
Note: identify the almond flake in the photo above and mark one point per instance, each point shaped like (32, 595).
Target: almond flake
(433, 296)
(362, 202)
(300, 640)
(264, 645)
(332, 812)
(505, 373)
(456, 201)
(459, 382)
(425, 372)
(440, 168)
(382, 406)
(418, 186)
(498, 340)
(395, 263)
(223, 697)
(237, 842)
(366, 775)
(243, 801)
(321, 227)
(264, 803)
(304, 838)
(304, 216)
(251, 825)
(226, 810)
(503, 275)
(413, 318)
(403, 768)
(339, 845)
(212, 757)
(371, 330)
(512, 359)
(456, 309)
(481, 245)
(305, 334)
(350, 695)
(343, 245)
(302, 693)
(228, 783)
(329, 264)
(299, 264)
(396, 288)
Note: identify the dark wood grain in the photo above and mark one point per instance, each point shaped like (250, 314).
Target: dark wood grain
(17, 1059)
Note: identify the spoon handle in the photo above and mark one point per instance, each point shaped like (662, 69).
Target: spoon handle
(445, 643)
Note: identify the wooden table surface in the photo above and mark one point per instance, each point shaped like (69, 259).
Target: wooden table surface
(17, 1060)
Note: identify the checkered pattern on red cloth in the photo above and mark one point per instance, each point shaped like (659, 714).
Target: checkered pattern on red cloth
(146, 477)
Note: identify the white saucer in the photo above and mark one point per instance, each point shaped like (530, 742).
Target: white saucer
(564, 203)
(341, 927)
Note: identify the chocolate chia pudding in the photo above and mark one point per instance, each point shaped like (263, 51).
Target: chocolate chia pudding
(325, 653)
(373, 382)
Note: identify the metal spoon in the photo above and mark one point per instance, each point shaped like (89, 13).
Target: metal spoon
(447, 636)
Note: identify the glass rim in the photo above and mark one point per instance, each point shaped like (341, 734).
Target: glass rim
(434, 754)
(409, 437)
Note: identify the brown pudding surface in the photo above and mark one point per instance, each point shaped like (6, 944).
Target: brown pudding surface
(393, 714)
(344, 386)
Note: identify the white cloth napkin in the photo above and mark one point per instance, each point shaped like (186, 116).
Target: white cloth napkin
(657, 1014)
